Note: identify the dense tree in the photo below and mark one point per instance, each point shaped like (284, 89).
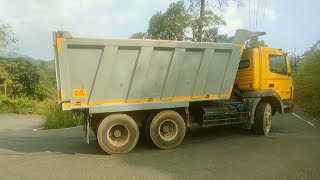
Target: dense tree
(47, 73)
(22, 77)
(6, 37)
(139, 35)
(47, 80)
(170, 25)
(197, 23)
(200, 22)
(206, 19)
(307, 82)
(205, 28)
(18, 76)
(312, 49)
(255, 42)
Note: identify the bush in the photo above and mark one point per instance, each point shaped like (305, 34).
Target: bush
(307, 84)
(21, 105)
(55, 118)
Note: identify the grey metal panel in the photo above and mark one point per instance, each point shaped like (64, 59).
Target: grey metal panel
(81, 62)
(156, 74)
(133, 72)
(202, 77)
(64, 73)
(101, 87)
(188, 72)
(172, 74)
(217, 70)
(140, 73)
(137, 106)
(230, 72)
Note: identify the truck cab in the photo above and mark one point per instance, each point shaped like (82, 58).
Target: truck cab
(264, 69)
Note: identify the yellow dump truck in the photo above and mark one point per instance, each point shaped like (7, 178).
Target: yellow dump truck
(156, 89)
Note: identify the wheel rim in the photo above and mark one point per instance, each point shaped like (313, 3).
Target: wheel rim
(268, 119)
(168, 130)
(118, 135)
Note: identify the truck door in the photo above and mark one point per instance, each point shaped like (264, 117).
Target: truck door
(278, 75)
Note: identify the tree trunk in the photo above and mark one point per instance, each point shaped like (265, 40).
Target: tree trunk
(200, 30)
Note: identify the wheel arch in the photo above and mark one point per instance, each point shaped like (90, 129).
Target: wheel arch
(269, 96)
(253, 98)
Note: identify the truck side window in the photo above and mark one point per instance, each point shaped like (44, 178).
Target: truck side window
(277, 64)
(244, 63)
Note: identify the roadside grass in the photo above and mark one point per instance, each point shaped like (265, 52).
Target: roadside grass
(18, 106)
(54, 117)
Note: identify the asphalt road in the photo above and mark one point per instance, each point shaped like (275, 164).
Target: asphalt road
(291, 151)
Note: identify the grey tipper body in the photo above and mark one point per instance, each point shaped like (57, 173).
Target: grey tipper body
(110, 75)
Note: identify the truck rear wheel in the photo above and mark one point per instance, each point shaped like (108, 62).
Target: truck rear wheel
(118, 134)
(263, 118)
(145, 128)
(167, 129)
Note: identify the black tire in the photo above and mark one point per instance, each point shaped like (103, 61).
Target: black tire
(167, 129)
(263, 118)
(145, 128)
(118, 134)
(95, 133)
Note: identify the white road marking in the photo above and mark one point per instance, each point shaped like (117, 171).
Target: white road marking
(303, 120)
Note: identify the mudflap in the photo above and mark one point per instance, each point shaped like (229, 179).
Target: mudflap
(86, 127)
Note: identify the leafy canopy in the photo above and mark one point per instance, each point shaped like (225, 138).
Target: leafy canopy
(307, 81)
(6, 37)
(170, 25)
(198, 22)
(255, 42)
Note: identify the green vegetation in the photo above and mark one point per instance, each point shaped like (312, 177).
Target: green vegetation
(307, 81)
(199, 22)
(55, 118)
(6, 37)
(21, 105)
(255, 42)
(31, 88)
(170, 25)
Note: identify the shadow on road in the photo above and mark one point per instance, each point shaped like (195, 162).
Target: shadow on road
(71, 141)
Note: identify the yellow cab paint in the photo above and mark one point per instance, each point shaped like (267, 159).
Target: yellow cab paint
(255, 72)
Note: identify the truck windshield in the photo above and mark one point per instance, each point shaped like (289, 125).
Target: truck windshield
(277, 64)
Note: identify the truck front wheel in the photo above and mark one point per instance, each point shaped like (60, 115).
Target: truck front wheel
(118, 134)
(263, 118)
(167, 129)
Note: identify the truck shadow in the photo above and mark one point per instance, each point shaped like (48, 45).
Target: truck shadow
(72, 141)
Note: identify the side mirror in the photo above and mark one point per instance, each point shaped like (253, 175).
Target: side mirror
(295, 62)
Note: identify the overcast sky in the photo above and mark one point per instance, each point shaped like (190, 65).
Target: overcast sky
(289, 23)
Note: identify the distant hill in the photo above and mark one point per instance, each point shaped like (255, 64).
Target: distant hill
(17, 55)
